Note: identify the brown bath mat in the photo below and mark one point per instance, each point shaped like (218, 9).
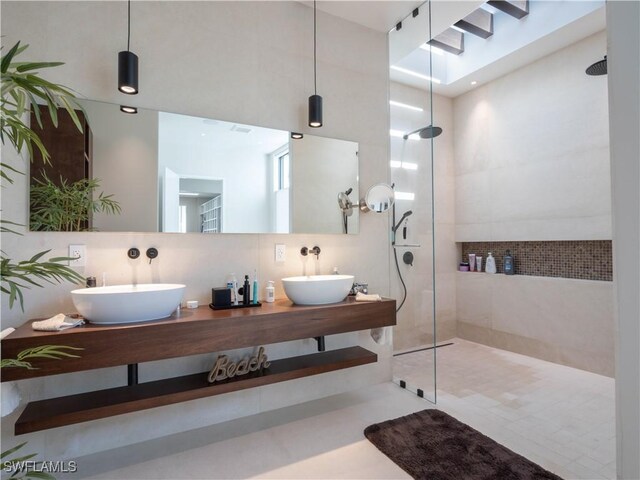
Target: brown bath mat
(433, 445)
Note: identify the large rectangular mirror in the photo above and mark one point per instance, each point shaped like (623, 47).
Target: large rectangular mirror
(153, 171)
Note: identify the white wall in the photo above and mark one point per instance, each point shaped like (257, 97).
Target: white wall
(623, 58)
(217, 60)
(125, 146)
(320, 169)
(561, 320)
(532, 152)
(532, 163)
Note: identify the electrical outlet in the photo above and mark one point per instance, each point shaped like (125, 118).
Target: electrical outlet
(281, 253)
(80, 253)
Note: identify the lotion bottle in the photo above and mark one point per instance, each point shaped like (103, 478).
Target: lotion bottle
(490, 264)
(271, 292)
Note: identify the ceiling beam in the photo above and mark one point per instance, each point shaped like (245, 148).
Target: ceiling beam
(450, 40)
(479, 22)
(515, 8)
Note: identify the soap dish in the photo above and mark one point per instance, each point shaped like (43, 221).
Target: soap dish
(232, 307)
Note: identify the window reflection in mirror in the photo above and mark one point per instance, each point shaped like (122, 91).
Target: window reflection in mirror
(177, 173)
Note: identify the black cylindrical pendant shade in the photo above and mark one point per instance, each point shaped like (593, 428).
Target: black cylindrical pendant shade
(315, 111)
(128, 72)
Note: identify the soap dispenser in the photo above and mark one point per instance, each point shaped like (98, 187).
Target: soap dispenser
(490, 264)
(271, 292)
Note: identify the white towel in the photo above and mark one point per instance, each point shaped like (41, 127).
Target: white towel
(362, 297)
(57, 323)
(6, 332)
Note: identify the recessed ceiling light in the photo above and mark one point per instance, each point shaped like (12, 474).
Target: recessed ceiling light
(405, 165)
(405, 195)
(404, 105)
(127, 109)
(474, 82)
(415, 74)
(429, 48)
(203, 134)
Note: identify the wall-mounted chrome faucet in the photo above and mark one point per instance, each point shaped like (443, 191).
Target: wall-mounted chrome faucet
(304, 251)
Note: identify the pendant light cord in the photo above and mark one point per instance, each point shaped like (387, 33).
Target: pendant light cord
(128, 24)
(315, 75)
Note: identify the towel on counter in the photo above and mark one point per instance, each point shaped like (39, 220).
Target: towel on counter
(57, 323)
(6, 332)
(362, 297)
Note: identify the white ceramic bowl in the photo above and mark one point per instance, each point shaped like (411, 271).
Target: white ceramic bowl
(317, 289)
(128, 303)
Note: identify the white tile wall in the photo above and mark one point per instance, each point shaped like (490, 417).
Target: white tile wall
(532, 152)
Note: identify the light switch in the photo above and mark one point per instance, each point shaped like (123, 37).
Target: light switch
(281, 253)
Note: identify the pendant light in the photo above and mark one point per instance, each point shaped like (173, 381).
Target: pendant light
(128, 63)
(315, 100)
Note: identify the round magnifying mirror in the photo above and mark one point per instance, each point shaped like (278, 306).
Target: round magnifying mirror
(379, 199)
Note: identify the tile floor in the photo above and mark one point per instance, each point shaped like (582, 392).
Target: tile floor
(559, 417)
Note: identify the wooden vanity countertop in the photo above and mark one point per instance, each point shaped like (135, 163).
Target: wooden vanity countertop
(192, 332)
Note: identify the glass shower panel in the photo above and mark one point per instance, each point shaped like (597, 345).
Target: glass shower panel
(413, 280)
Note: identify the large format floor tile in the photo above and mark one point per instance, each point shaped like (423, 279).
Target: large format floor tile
(559, 417)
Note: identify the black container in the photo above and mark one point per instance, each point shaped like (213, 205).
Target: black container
(221, 297)
(246, 291)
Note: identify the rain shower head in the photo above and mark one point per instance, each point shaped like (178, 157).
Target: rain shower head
(426, 132)
(598, 68)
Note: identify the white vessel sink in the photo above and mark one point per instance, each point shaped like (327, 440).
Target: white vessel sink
(317, 289)
(128, 303)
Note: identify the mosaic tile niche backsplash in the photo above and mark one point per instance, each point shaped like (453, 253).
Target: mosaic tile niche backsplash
(581, 259)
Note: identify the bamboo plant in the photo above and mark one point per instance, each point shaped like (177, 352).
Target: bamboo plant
(67, 207)
(22, 90)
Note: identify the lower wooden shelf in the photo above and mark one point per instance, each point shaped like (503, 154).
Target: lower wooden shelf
(57, 412)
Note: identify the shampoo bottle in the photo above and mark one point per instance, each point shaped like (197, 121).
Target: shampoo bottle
(232, 284)
(271, 292)
(490, 264)
(508, 264)
(255, 287)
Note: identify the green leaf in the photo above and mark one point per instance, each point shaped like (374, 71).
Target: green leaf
(6, 59)
(36, 474)
(25, 67)
(14, 449)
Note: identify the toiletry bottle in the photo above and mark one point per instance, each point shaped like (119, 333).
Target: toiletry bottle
(508, 264)
(271, 292)
(472, 262)
(232, 284)
(246, 291)
(490, 264)
(255, 287)
(478, 263)
(335, 271)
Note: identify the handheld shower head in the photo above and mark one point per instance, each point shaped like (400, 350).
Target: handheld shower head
(404, 215)
(427, 132)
